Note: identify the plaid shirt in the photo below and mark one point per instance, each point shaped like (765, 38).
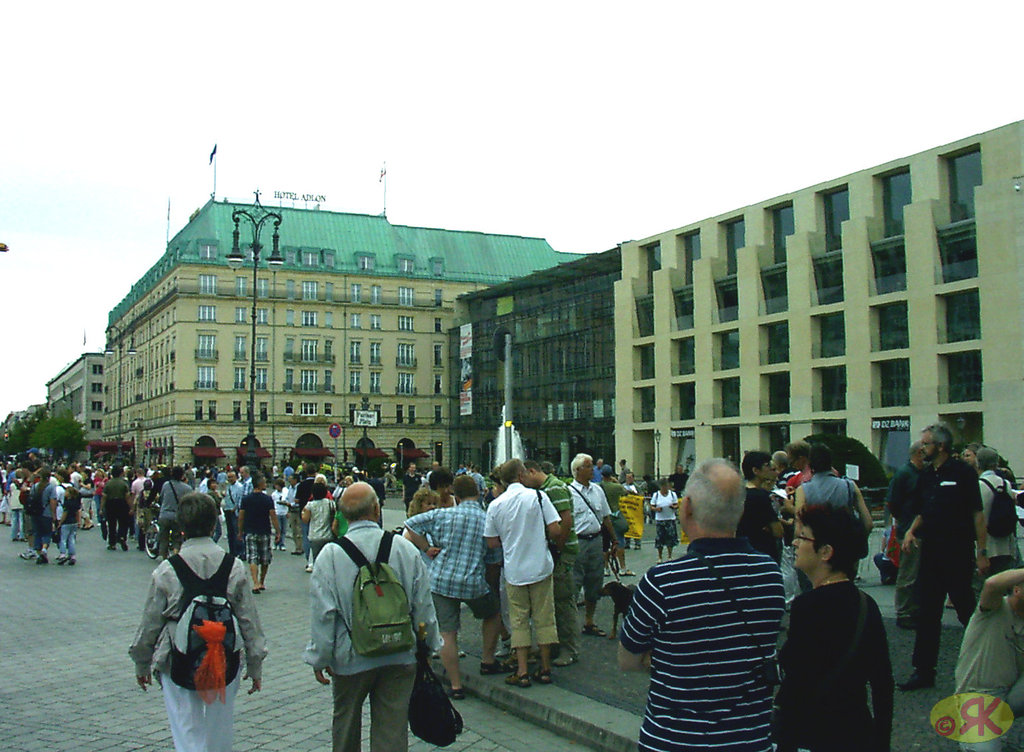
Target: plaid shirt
(458, 570)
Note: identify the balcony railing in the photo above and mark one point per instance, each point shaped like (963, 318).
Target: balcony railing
(968, 391)
(205, 384)
(206, 355)
(405, 362)
(299, 357)
(241, 355)
(400, 392)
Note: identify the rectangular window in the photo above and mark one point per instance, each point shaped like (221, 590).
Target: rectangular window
(644, 397)
(375, 382)
(236, 410)
(328, 408)
(206, 346)
(964, 177)
(289, 379)
(646, 363)
(837, 211)
(889, 258)
(205, 377)
(375, 294)
(645, 316)
(307, 408)
(262, 316)
(328, 380)
(963, 316)
(289, 408)
(406, 296)
(831, 335)
(264, 411)
(776, 343)
(375, 321)
(357, 293)
(375, 353)
(96, 406)
(329, 350)
(412, 413)
(687, 395)
(406, 265)
(896, 194)
(261, 349)
(309, 318)
(357, 321)
(782, 228)
(240, 315)
(211, 410)
(289, 348)
(691, 251)
(207, 252)
(438, 356)
(964, 377)
(729, 350)
(405, 323)
(652, 262)
(894, 383)
(241, 351)
(199, 409)
(438, 298)
(437, 325)
(729, 396)
(289, 289)
(365, 263)
(355, 379)
(240, 285)
(778, 393)
(329, 292)
(735, 238)
(687, 357)
(728, 299)
(207, 284)
(310, 258)
(832, 382)
(437, 265)
(355, 351)
(958, 248)
(97, 369)
(96, 424)
(437, 414)
(309, 348)
(406, 355)
(683, 300)
(261, 379)
(307, 378)
(239, 378)
(263, 287)
(399, 414)
(309, 290)
(438, 384)
(328, 319)
(97, 388)
(207, 313)
(405, 383)
(329, 259)
(893, 330)
(776, 292)
(828, 279)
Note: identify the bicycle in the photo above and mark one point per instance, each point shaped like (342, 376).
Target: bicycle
(151, 539)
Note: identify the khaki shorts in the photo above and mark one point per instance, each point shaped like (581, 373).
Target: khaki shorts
(536, 602)
(449, 609)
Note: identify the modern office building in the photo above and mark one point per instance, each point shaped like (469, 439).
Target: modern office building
(356, 319)
(78, 391)
(563, 363)
(870, 305)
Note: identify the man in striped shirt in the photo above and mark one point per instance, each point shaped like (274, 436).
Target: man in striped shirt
(703, 625)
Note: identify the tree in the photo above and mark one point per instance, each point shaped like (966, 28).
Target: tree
(20, 438)
(849, 451)
(61, 434)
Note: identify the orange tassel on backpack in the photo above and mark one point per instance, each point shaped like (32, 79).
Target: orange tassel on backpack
(211, 673)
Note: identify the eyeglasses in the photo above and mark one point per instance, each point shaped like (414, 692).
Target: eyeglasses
(803, 538)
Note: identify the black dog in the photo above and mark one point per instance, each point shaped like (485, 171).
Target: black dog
(622, 596)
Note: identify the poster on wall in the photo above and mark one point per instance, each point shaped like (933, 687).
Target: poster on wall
(466, 369)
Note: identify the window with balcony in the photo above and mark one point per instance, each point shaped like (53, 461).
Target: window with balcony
(831, 335)
(963, 377)
(893, 383)
(727, 294)
(728, 349)
(893, 329)
(241, 351)
(374, 382)
(309, 290)
(964, 177)
(438, 355)
(355, 382)
(828, 278)
(240, 317)
(308, 379)
(889, 258)
(896, 194)
(309, 318)
(782, 227)
(406, 355)
(776, 292)
(239, 378)
(207, 313)
(206, 346)
(728, 397)
(206, 377)
(683, 301)
(405, 323)
(262, 345)
(645, 315)
(406, 296)
(691, 253)
(356, 293)
(832, 386)
(289, 348)
(405, 383)
(375, 294)
(963, 316)
(289, 379)
(261, 379)
(778, 393)
(958, 249)
(687, 394)
(776, 343)
(837, 211)
(328, 380)
(356, 321)
(240, 287)
(355, 351)
(646, 362)
(207, 284)
(309, 350)
(375, 349)
(375, 321)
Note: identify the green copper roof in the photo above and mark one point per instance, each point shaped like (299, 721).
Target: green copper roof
(339, 241)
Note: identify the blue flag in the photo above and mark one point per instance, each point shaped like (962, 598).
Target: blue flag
(213, 153)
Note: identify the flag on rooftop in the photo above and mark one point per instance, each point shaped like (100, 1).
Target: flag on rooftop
(213, 153)
(383, 172)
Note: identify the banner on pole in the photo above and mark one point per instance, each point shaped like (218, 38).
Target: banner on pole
(466, 369)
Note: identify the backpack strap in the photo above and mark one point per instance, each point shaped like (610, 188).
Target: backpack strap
(195, 585)
(353, 552)
(993, 488)
(384, 550)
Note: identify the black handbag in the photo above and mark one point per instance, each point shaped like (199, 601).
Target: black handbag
(432, 717)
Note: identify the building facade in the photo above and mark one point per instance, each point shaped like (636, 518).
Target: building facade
(563, 364)
(871, 305)
(356, 319)
(78, 391)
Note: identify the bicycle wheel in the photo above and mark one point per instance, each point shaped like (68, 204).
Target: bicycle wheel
(152, 540)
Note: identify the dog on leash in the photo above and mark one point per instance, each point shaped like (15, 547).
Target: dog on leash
(622, 596)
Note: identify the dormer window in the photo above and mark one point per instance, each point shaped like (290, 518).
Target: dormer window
(406, 265)
(365, 263)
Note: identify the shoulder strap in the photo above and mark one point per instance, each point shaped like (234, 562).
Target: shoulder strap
(219, 581)
(384, 550)
(193, 583)
(585, 502)
(353, 552)
(993, 488)
(174, 491)
(189, 579)
(725, 588)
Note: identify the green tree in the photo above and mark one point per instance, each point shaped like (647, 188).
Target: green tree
(849, 451)
(60, 434)
(20, 437)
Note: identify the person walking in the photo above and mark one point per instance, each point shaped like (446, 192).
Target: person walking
(171, 494)
(115, 506)
(256, 519)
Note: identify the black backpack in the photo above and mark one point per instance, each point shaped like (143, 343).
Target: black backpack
(1002, 515)
(34, 503)
(203, 601)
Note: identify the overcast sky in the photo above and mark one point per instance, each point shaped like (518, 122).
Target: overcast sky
(584, 123)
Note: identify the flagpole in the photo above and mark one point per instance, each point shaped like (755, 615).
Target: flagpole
(167, 240)
(384, 179)
(213, 161)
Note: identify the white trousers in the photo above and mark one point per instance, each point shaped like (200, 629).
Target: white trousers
(196, 726)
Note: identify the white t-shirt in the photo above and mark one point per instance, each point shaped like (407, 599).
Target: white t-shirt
(992, 652)
(520, 521)
(663, 510)
(589, 507)
(280, 498)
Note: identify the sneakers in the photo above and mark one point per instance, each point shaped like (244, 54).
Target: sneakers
(61, 558)
(505, 649)
(309, 568)
(42, 558)
(71, 561)
(28, 555)
(124, 546)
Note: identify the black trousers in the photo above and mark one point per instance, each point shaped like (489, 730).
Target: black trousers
(118, 521)
(946, 569)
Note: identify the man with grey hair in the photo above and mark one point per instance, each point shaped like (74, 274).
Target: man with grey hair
(591, 520)
(904, 501)
(1002, 551)
(386, 679)
(704, 626)
(950, 529)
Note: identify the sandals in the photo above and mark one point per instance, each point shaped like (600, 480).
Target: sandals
(542, 676)
(519, 680)
(457, 694)
(594, 631)
(627, 573)
(487, 669)
(255, 591)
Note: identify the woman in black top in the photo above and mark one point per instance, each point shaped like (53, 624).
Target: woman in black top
(827, 665)
(760, 522)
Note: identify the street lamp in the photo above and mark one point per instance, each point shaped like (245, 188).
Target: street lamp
(657, 454)
(256, 218)
(121, 352)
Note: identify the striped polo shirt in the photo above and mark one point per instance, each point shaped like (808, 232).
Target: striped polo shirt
(705, 693)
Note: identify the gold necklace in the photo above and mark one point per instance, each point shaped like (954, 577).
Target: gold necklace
(830, 581)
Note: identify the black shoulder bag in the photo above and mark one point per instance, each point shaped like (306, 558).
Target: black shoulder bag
(556, 552)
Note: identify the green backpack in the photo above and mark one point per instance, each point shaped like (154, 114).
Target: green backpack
(381, 620)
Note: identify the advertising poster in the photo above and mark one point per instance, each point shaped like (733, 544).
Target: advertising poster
(466, 369)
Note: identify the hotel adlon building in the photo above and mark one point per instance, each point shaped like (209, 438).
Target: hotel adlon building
(357, 318)
(870, 305)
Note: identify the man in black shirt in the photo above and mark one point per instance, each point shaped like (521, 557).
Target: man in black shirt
(256, 518)
(904, 501)
(411, 483)
(303, 495)
(949, 524)
(678, 480)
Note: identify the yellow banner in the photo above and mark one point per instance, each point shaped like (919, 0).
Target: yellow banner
(631, 506)
(971, 717)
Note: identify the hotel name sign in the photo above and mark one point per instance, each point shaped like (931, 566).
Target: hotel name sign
(292, 196)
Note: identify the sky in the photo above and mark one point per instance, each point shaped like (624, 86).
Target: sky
(585, 123)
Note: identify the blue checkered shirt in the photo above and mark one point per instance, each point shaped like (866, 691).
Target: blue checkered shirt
(458, 571)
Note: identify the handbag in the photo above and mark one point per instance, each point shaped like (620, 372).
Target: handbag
(432, 717)
(619, 524)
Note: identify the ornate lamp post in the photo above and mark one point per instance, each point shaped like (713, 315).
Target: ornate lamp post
(256, 217)
(657, 454)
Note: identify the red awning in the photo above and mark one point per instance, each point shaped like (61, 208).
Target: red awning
(97, 445)
(313, 452)
(414, 453)
(371, 452)
(207, 452)
(260, 452)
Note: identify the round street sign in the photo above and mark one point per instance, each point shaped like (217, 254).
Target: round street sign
(334, 430)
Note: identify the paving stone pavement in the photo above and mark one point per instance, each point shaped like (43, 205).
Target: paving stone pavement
(67, 684)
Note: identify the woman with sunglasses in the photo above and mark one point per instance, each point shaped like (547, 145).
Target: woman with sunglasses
(836, 646)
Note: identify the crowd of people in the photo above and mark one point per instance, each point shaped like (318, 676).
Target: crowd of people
(528, 553)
